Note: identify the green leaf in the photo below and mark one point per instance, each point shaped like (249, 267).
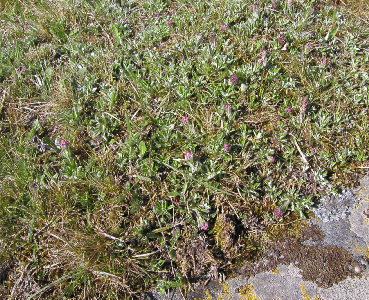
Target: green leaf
(173, 194)
(116, 33)
(142, 147)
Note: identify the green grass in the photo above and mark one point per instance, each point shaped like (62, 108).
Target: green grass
(148, 142)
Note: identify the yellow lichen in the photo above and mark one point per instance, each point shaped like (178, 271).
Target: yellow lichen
(306, 296)
(225, 290)
(275, 271)
(364, 251)
(208, 296)
(247, 293)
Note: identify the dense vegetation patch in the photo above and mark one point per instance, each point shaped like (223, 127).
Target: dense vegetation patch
(145, 143)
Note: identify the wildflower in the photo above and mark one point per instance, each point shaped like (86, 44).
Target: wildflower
(223, 26)
(227, 147)
(305, 101)
(308, 46)
(313, 9)
(303, 107)
(254, 7)
(282, 39)
(260, 60)
(289, 3)
(63, 143)
(185, 119)
(272, 159)
(274, 5)
(278, 212)
(96, 139)
(188, 155)
(204, 226)
(170, 23)
(21, 70)
(227, 107)
(289, 110)
(234, 79)
(243, 87)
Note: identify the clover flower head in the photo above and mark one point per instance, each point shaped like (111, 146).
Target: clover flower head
(303, 107)
(254, 7)
(289, 110)
(282, 39)
(227, 147)
(204, 226)
(274, 5)
(188, 155)
(63, 143)
(227, 107)
(170, 23)
(305, 101)
(290, 3)
(271, 159)
(278, 212)
(223, 26)
(234, 79)
(185, 119)
(260, 60)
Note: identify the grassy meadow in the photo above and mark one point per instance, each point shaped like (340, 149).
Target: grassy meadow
(148, 143)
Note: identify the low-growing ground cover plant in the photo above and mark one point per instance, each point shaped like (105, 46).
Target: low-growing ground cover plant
(148, 143)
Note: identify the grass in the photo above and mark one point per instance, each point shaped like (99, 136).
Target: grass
(146, 143)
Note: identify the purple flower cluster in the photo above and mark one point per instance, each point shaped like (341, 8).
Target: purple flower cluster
(227, 147)
(282, 39)
(63, 143)
(170, 23)
(204, 226)
(185, 119)
(278, 212)
(304, 103)
(234, 79)
(223, 26)
(188, 155)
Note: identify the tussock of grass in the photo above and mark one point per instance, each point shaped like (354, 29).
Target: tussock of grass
(144, 143)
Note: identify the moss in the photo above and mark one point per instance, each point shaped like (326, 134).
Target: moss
(324, 265)
(225, 234)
